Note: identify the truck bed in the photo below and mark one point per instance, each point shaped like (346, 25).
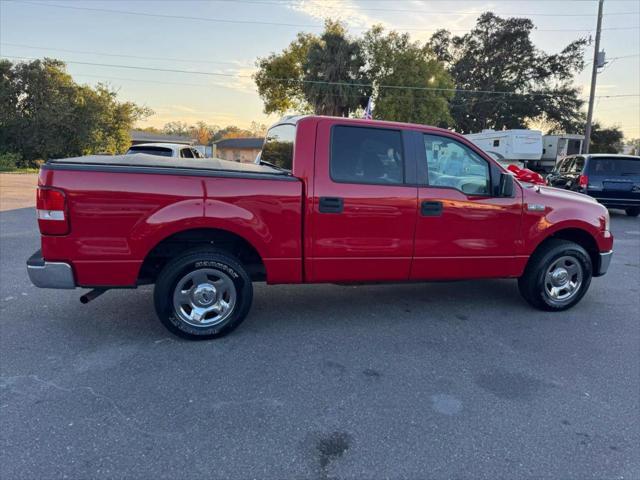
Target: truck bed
(143, 163)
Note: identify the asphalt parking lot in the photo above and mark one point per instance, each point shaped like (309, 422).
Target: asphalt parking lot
(443, 380)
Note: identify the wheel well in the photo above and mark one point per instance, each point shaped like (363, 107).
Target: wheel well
(178, 243)
(582, 238)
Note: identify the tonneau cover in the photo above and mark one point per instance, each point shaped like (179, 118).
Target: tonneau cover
(155, 161)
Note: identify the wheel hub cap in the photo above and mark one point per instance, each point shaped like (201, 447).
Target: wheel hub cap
(563, 280)
(204, 295)
(559, 277)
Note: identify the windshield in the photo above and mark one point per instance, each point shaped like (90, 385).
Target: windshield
(614, 166)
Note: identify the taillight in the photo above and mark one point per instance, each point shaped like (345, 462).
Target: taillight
(51, 208)
(583, 181)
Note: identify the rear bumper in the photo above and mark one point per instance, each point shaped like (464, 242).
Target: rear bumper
(49, 274)
(603, 264)
(616, 202)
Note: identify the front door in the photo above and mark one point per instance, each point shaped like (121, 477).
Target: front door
(363, 211)
(463, 230)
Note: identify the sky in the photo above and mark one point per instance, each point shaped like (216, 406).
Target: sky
(222, 37)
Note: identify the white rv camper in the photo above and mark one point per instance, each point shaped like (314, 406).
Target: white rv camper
(555, 147)
(516, 147)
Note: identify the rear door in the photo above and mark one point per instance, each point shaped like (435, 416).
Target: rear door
(364, 208)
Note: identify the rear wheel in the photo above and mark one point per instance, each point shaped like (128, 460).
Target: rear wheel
(203, 294)
(633, 211)
(557, 276)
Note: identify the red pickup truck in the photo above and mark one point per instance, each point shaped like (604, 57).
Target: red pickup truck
(331, 200)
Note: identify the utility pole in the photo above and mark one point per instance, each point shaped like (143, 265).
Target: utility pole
(594, 74)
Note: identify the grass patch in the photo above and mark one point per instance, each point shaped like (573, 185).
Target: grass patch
(19, 170)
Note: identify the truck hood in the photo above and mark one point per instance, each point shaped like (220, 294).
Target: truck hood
(545, 194)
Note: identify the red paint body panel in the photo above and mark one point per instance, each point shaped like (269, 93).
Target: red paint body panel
(116, 219)
(475, 237)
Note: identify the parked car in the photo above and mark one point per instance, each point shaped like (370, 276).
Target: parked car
(613, 180)
(175, 150)
(334, 200)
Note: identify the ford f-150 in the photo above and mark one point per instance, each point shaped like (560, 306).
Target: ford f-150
(333, 200)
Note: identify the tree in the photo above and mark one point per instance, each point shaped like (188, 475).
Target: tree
(322, 74)
(605, 140)
(514, 81)
(45, 114)
(393, 61)
(279, 77)
(181, 129)
(203, 133)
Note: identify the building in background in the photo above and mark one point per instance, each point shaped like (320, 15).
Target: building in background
(243, 150)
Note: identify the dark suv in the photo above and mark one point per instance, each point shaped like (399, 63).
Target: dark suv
(613, 180)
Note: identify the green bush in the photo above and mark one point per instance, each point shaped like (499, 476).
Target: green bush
(10, 161)
(13, 161)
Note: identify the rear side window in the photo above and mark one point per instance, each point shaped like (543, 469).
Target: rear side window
(186, 153)
(366, 155)
(278, 146)
(163, 152)
(614, 166)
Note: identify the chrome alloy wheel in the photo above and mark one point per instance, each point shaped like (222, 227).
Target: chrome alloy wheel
(563, 279)
(204, 297)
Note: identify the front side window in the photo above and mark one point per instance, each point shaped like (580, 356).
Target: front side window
(186, 153)
(452, 164)
(278, 146)
(366, 155)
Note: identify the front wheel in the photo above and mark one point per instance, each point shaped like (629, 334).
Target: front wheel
(203, 294)
(557, 276)
(632, 211)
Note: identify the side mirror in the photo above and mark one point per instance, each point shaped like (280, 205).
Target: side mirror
(505, 187)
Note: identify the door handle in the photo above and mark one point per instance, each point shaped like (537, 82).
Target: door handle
(431, 209)
(331, 205)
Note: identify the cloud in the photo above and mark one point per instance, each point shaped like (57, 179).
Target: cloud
(419, 21)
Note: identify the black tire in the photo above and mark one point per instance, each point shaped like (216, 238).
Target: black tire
(217, 267)
(632, 211)
(533, 284)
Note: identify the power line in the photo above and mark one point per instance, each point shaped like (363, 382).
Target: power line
(280, 24)
(87, 52)
(413, 10)
(319, 82)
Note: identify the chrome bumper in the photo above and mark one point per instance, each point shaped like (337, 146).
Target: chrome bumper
(605, 260)
(49, 274)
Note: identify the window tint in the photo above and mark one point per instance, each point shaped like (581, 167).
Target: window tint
(451, 164)
(366, 155)
(186, 153)
(160, 151)
(614, 166)
(278, 146)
